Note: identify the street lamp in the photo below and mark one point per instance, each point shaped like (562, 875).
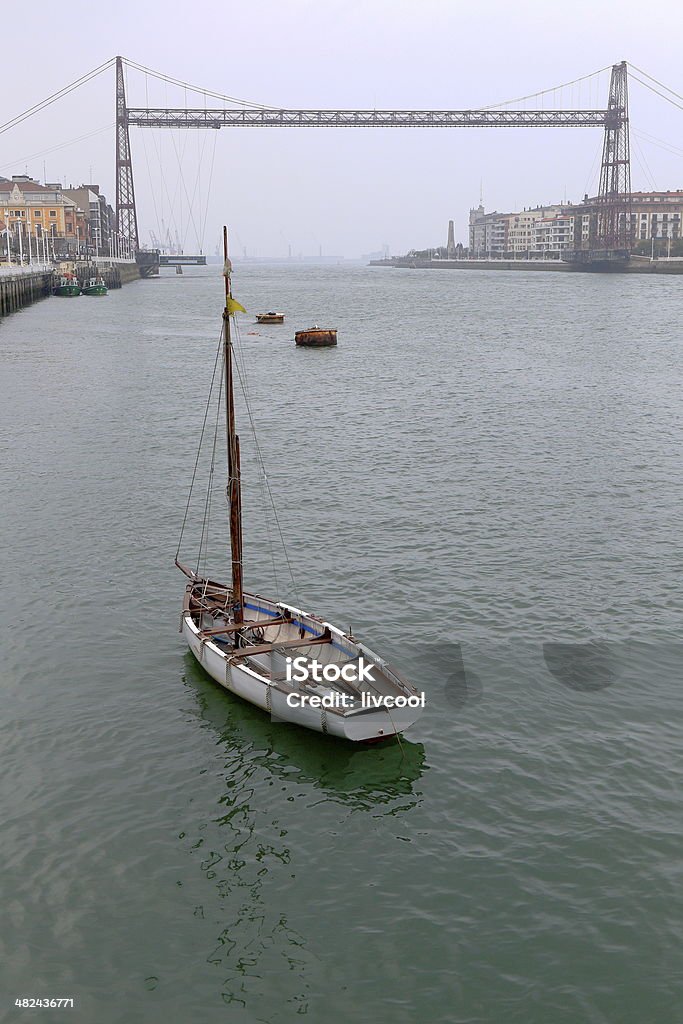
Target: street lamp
(21, 244)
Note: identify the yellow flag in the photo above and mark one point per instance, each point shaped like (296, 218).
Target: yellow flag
(235, 307)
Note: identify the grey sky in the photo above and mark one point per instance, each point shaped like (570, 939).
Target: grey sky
(345, 190)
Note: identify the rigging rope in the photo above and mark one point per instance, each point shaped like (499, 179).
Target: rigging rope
(259, 454)
(216, 393)
(204, 539)
(201, 438)
(239, 355)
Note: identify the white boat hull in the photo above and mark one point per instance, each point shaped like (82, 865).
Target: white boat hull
(360, 724)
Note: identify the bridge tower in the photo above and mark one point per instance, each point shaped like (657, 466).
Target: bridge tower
(613, 208)
(126, 214)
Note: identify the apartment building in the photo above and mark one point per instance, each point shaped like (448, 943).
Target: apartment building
(488, 232)
(74, 219)
(554, 233)
(29, 208)
(543, 229)
(656, 215)
(551, 230)
(98, 214)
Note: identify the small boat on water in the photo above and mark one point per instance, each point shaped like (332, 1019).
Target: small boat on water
(67, 286)
(95, 286)
(270, 318)
(316, 337)
(293, 664)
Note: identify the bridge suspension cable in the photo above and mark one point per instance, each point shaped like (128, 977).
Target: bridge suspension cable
(656, 91)
(18, 161)
(55, 96)
(193, 88)
(546, 92)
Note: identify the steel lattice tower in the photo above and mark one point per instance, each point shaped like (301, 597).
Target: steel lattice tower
(613, 228)
(126, 214)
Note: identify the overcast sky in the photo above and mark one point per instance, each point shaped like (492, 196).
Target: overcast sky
(345, 191)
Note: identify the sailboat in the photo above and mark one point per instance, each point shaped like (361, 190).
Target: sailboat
(293, 664)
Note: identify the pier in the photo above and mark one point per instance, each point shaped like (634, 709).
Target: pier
(21, 286)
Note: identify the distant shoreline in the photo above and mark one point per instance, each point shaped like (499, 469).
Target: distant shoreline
(636, 265)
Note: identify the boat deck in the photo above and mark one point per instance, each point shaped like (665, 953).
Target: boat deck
(275, 633)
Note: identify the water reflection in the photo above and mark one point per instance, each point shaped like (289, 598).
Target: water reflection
(244, 849)
(363, 777)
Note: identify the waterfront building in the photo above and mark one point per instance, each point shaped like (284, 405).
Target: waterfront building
(521, 234)
(554, 233)
(98, 216)
(548, 231)
(31, 209)
(488, 232)
(656, 215)
(541, 230)
(477, 224)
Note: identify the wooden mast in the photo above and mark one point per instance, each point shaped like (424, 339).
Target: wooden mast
(234, 482)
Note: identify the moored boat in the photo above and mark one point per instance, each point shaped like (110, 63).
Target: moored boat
(270, 318)
(67, 286)
(316, 337)
(293, 664)
(95, 286)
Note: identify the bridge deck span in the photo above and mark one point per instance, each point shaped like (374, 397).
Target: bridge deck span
(161, 117)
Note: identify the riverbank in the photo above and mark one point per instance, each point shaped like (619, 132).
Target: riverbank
(22, 286)
(636, 265)
(19, 289)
